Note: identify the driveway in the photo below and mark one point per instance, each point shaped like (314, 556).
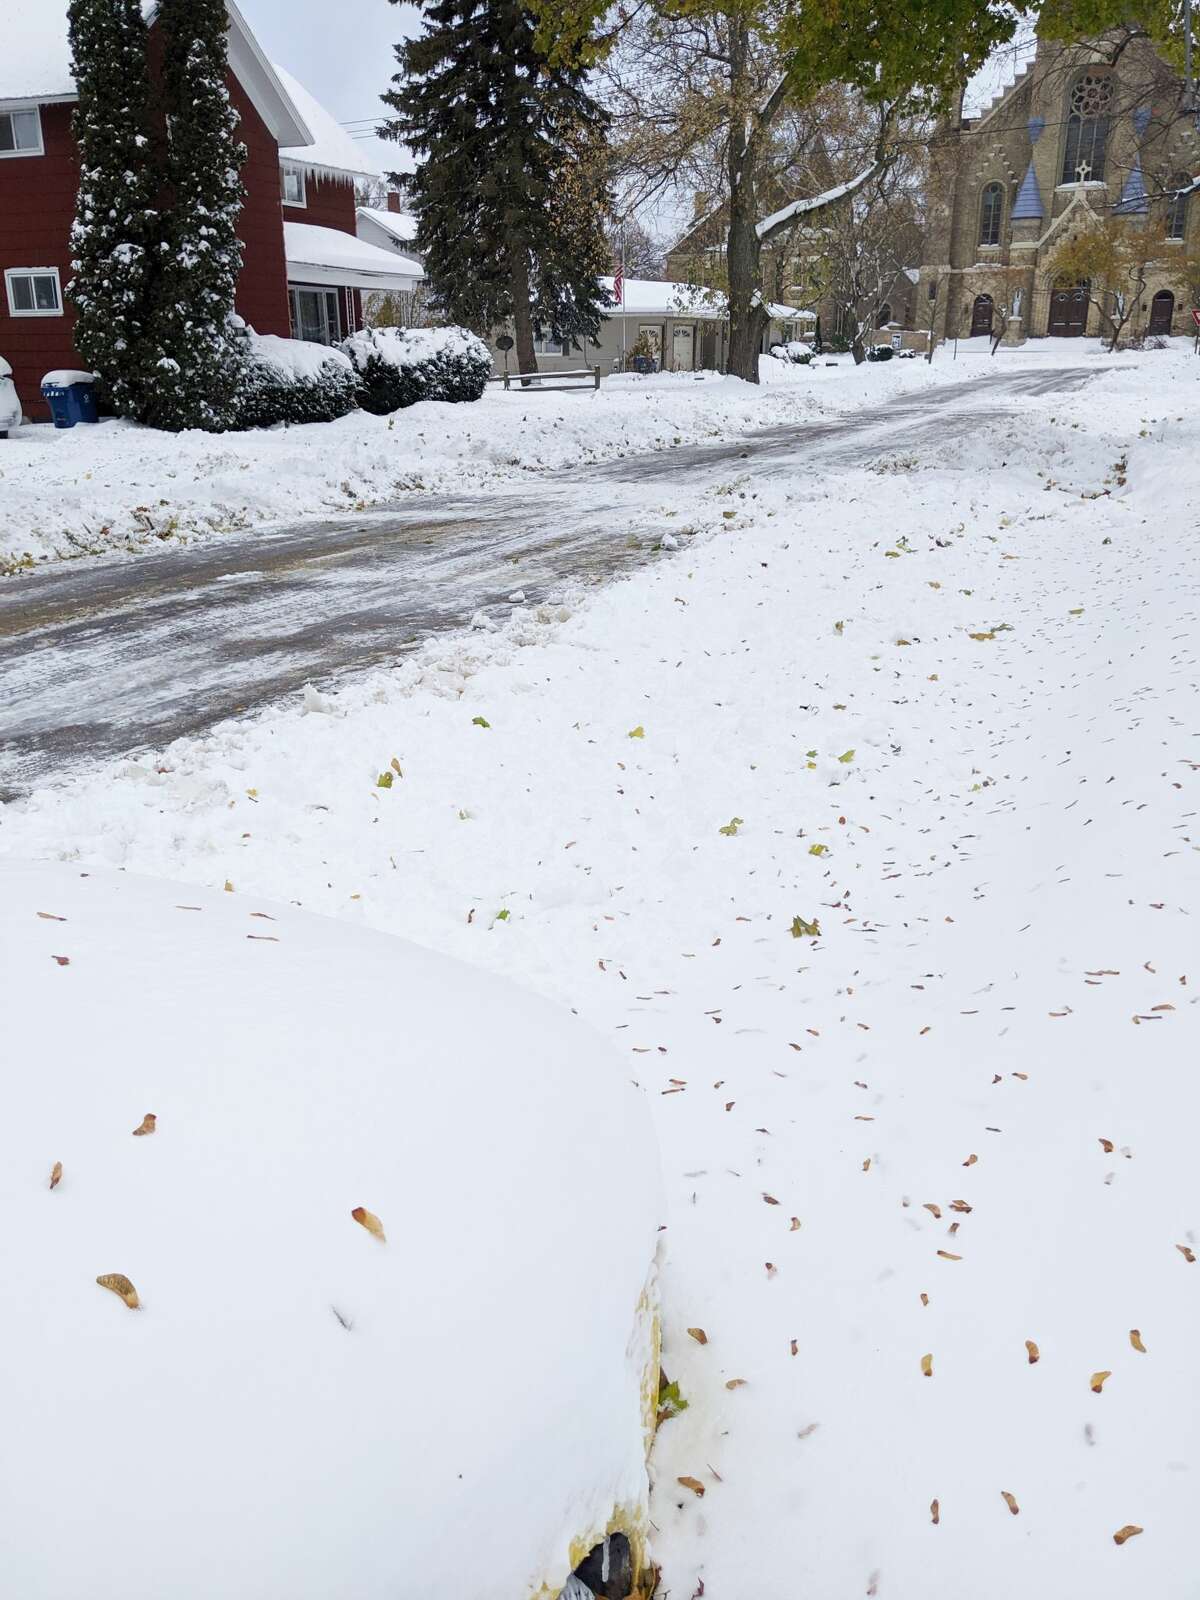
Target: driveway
(103, 660)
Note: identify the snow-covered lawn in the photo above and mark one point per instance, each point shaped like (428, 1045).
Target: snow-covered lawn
(119, 488)
(866, 827)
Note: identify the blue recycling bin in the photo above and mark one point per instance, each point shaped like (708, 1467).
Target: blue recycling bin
(71, 397)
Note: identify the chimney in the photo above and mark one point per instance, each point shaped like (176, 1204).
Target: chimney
(393, 202)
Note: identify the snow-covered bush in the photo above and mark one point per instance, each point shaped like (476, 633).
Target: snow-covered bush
(399, 366)
(288, 380)
(795, 351)
(322, 1279)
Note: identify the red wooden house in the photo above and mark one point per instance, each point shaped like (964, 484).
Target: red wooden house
(304, 269)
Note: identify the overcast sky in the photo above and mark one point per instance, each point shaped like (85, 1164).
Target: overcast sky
(342, 53)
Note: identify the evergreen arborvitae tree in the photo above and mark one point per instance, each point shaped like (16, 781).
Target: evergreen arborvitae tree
(116, 225)
(199, 252)
(497, 127)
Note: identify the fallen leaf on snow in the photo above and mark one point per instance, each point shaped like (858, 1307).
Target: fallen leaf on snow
(694, 1485)
(699, 1335)
(1097, 1381)
(1010, 1501)
(1035, 1354)
(120, 1285)
(1129, 1531)
(927, 1366)
(368, 1220)
(1135, 1337)
(736, 1383)
(56, 1175)
(147, 1125)
(935, 1513)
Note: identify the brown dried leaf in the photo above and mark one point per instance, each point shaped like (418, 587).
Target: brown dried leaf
(1097, 1381)
(794, 1225)
(56, 1175)
(63, 961)
(795, 1348)
(1186, 1252)
(1011, 1502)
(694, 1485)
(147, 1125)
(1035, 1355)
(946, 1256)
(770, 1199)
(736, 1383)
(48, 916)
(970, 1161)
(1107, 1146)
(935, 1512)
(368, 1220)
(927, 1366)
(1135, 1337)
(772, 1269)
(961, 1205)
(120, 1285)
(924, 1298)
(1129, 1531)
(935, 1210)
(699, 1335)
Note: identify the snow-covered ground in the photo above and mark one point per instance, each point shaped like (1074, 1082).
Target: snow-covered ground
(120, 488)
(865, 825)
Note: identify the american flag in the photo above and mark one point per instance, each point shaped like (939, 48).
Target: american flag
(618, 280)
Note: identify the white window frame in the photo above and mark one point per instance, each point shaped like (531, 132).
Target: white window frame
(12, 273)
(35, 113)
(287, 171)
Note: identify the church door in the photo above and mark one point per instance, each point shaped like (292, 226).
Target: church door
(1068, 311)
(1162, 312)
(981, 315)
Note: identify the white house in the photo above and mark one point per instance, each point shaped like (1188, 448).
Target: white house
(684, 328)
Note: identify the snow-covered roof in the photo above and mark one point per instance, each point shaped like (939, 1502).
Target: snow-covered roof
(332, 149)
(648, 297)
(328, 256)
(35, 63)
(398, 223)
(1000, 73)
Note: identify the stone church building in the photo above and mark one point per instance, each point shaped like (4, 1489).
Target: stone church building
(1083, 133)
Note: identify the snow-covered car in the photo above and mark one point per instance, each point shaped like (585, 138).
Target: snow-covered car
(329, 1262)
(10, 406)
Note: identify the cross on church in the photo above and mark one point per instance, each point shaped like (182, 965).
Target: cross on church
(1084, 171)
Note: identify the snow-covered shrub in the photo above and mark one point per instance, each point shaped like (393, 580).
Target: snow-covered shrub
(288, 380)
(798, 353)
(397, 367)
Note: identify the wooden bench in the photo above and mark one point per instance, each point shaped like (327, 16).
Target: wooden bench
(532, 382)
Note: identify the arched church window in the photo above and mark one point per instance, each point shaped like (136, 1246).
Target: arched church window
(1177, 207)
(991, 214)
(1088, 112)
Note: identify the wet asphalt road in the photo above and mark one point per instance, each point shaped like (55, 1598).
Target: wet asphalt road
(105, 659)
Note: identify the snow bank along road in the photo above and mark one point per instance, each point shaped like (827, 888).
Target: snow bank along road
(930, 1149)
(102, 660)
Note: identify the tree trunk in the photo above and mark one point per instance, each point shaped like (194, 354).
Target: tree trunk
(743, 260)
(522, 311)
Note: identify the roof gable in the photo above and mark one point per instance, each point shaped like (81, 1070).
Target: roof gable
(35, 64)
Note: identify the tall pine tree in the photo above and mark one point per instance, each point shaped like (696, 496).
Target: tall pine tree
(116, 224)
(200, 254)
(496, 128)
